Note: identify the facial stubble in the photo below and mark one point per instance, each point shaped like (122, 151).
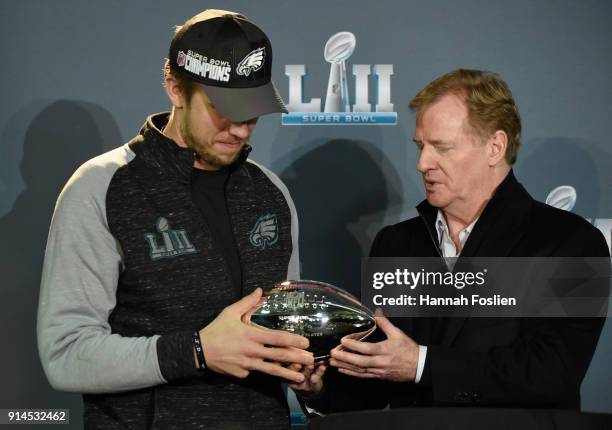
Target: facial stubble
(203, 151)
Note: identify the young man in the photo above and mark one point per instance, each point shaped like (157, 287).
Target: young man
(158, 248)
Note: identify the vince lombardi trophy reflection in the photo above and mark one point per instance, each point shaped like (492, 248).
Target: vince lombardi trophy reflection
(338, 49)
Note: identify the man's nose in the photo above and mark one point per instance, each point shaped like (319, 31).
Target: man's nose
(240, 129)
(427, 160)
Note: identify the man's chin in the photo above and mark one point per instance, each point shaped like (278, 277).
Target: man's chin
(436, 200)
(219, 162)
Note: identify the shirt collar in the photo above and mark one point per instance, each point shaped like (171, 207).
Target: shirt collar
(442, 228)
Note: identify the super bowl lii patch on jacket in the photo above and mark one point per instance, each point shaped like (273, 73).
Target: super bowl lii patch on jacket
(168, 243)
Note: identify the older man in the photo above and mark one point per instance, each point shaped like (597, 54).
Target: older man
(468, 134)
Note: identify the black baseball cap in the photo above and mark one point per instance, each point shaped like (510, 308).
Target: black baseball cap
(232, 58)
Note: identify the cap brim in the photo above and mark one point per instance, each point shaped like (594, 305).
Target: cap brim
(243, 104)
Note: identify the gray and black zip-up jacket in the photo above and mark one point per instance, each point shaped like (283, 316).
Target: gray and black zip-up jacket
(131, 270)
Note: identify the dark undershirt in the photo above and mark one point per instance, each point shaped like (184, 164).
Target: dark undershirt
(208, 194)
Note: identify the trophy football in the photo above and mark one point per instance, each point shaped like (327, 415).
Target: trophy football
(318, 311)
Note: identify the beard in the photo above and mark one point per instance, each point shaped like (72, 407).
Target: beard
(205, 152)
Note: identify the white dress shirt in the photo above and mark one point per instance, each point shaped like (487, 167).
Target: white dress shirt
(449, 251)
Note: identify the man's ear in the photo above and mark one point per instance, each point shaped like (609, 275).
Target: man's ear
(498, 144)
(174, 92)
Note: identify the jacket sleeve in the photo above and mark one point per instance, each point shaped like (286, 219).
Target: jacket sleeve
(544, 365)
(79, 281)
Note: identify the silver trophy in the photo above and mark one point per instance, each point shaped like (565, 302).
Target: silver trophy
(338, 49)
(320, 312)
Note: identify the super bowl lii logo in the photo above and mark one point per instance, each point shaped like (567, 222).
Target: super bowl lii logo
(338, 109)
(173, 243)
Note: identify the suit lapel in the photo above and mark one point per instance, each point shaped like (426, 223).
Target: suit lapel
(498, 230)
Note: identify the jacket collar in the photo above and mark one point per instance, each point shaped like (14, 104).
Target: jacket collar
(163, 155)
(500, 222)
(499, 228)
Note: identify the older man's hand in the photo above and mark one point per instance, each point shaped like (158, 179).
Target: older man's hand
(393, 359)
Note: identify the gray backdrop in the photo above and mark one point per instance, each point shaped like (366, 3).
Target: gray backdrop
(79, 78)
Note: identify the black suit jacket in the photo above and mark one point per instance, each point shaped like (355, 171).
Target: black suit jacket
(513, 362)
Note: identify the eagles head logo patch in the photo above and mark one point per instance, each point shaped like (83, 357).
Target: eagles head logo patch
(252, 62)
(265, 232)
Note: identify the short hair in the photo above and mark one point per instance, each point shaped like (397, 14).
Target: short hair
(188, 86)
(488, 99)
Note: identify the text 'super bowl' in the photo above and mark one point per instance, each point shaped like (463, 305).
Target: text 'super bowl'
(320, 312)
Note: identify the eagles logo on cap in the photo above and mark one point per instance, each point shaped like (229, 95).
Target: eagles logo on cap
(251, 62)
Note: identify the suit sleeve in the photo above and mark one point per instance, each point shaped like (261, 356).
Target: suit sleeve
(545, 365)
(375, 249)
